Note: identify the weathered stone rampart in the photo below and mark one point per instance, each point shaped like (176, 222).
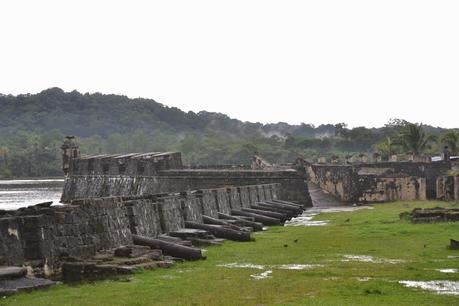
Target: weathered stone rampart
(448, 188)
(146, 164)
(40, 236)
(379, 182)
(387, 189)
(428, 170)
(293, 186)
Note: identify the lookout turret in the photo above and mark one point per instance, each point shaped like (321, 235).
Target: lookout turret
(70, 150)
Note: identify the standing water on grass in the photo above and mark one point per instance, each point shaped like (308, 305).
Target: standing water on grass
(15, 194)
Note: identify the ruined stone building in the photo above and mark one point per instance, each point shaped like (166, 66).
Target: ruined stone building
(113, 199)
(380, 181)
(155, 173)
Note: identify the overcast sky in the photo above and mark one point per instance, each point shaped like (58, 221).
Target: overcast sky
(360, 62)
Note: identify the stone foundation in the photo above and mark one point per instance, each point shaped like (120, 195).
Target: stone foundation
(293, 186)
(41, 237)
(370, 183)
(448, 188)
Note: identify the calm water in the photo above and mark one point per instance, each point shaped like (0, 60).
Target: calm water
(20, 193)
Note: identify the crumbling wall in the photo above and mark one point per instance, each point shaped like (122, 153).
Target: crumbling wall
(191, 206)
(275, 191)
(293, 186)
(144, 217)
(245, 196)
(261, 193)
(172, 215)
(448, 188)
(132, 164)
(222, 199)
(209, 203)
(429, 171)
(386, 189)
(253, 194)
(108, 222)
(340, 181)
(46, 234)
(234, 198)
(94, 186)
(11, 251)
(368, 184)
(268, 192)
(40, 236)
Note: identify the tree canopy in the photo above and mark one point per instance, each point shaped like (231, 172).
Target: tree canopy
(32, 128)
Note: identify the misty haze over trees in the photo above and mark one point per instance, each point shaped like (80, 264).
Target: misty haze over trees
(32, 128)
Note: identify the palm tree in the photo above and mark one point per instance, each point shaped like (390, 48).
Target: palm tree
(413, 139)
(451, 139)
(385, 148)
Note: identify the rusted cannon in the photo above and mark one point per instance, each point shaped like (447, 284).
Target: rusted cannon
(220, 231)
(257, 226)
(210, 220)
(267, 213)
(259, 218)
(169, 248)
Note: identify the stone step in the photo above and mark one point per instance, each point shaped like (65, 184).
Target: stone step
(12, 286)
(12, 272)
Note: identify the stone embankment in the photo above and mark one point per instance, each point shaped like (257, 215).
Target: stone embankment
(429, 215)
(101, 237)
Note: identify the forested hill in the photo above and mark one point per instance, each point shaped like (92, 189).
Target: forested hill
(32, 128)
(86, 115)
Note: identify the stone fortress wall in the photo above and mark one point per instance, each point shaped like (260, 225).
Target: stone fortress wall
(448, 185)
(448, 188)
(40, 237)
(152, 173)
(379, 182)
(132, 164)
(118, 202)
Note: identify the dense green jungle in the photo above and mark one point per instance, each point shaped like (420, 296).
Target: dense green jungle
(33, 126)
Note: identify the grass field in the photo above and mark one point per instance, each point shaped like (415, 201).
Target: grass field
(402, 251)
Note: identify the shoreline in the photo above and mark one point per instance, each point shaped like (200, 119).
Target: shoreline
(24, 178)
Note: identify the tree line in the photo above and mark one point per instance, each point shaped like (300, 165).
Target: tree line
(32, 128)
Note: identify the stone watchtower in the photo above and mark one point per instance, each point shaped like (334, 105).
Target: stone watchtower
(446, 155)
(70, 150)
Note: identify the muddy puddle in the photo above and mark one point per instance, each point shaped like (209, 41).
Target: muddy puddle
(371, 259)
(448, 270)
(278, 267)
(297, 267)
(266, 274)
(437, 286)
(242, 266)
(306, 218)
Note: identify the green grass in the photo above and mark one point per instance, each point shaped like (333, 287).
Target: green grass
(377, 232)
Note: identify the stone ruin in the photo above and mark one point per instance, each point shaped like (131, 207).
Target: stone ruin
(432, 215)
(365, 182)
(94, 238)
(448, 187)
(259, 163)
(153, 173)
(125, 212)
(147, 210)
(70, 151)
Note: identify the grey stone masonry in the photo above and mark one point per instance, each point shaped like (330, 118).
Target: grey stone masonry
(40, 237)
